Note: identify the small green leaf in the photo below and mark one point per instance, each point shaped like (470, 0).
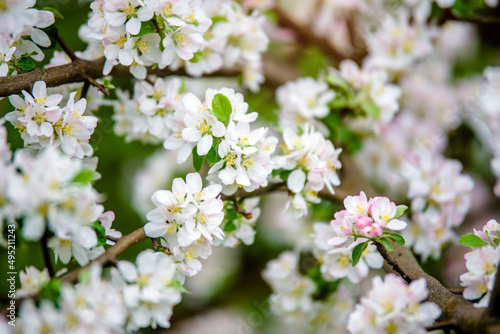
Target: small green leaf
(100, 231)
(338, 82)
(25, 65)
(198, 161)
(54, 11)
(51, 291)
(147, 27)
(229, 227)
(371, 109)
(182, 89)
(284, 174)
(231, 214)
(386, 243)
(107, 84)
(397, 238)
(222, 108)
(84, 176)
(196, 57)
(179, 287)
(217, 19)
(213, 154)
(400, 210)
(471, 240)
(357, 252)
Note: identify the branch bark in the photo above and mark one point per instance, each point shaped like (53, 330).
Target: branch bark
(111, 255)
(79, 70)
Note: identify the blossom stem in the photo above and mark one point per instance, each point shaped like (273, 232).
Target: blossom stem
(157, 245)
(99, 86)
(239, 209)
(388, 258)
(46, 255)
(444, 325)
(111, 254)
(494, 307)
(65, 47)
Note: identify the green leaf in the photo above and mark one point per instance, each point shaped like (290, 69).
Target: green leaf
(179, 287)
(107, 84)
(213, 154)
(397, 238)
(231, 214)
(84, 176)
(100, 231)
(400, 210)
(54, 11)
(284, 174)
(198, 161)
(25, 65)
(147, 27)
(182, 89)
(357, 252)
(371, 109)
(471, 240)
(229, 227)
(196, 57)
(222, 108)
(386, 243)
(51, 290)
(217, 19)
(337, 82)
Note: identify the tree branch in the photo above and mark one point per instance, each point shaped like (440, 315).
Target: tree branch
(46, 255)
(451, 15)
(393, 263)
(111, 255)
(79, 71)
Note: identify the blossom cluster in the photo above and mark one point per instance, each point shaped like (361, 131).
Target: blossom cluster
(188, 218)
(235, 40)
(391, 306)
(440, 196)
(21, 35)
(485, 118)
(42, 122)
(304, 100)
(366, 218)
(52, 194)
(367, 89)
(147, 116)
(311, 162)
(137, 296)
(482, 264)
(337, 262)
(179, 34)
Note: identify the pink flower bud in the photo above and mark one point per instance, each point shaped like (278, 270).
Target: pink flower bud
(374, 230)
(363, 221)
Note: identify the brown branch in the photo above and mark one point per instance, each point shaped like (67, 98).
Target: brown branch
(451, 15)
(46, 255)
(78, 71)
(393, 263)
(457, 291)
(241, 194)
(440, 325)
(239, 209)
(111, 255)
(65, 47)
(494, 307)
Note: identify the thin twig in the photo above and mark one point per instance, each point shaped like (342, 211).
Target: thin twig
(239, 210)
(46, 255)
(85, 89)
(456, 291)
(110, 238)
(494, 307)
(100, 87)
(65, 47)
(388, 258)
(451, 15)
(441, 325)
